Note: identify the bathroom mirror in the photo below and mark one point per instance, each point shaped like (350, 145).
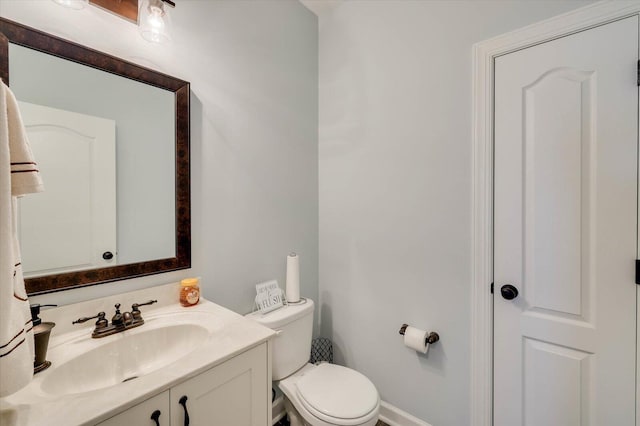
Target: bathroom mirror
(112, 141)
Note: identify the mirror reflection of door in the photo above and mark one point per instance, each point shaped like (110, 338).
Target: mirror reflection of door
(76, 157)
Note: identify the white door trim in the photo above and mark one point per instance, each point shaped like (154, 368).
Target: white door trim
(483, 60)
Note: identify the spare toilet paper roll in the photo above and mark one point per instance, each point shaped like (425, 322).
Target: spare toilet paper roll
(293, 278)
(416, 339)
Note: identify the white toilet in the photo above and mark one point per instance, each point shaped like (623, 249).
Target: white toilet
(315, 395)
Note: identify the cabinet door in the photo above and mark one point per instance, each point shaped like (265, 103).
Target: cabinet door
(144, 413)
(234, 393)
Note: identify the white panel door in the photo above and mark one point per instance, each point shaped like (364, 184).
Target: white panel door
(72, 223)
(565, 220)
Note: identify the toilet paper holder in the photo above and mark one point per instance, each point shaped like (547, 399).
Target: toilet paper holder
(431, 338)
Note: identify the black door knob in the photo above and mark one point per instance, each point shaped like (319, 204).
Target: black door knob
(509, 292)
(107, 255)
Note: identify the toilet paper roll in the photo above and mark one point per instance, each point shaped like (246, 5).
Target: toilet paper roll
(293, 278)
(416, 339)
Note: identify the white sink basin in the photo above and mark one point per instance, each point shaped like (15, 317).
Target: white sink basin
(109, 361)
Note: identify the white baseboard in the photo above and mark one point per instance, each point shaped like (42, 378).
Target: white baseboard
(393, 416)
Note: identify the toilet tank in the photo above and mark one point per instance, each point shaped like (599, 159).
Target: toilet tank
(292, 344)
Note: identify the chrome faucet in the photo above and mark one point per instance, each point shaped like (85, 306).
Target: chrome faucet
(119, 322)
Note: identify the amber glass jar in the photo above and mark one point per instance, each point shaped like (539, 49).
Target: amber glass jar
(189, 291)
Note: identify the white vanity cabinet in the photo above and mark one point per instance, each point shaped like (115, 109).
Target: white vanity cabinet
(234, 393)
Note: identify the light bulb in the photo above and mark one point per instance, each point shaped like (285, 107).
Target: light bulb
(154, 21)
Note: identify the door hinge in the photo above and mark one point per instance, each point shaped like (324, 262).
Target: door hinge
(637, 271)
(638, 72)
(492, 283)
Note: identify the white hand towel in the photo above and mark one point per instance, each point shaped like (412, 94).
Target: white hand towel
(18, 176)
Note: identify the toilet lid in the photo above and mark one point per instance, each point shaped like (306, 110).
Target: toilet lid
(337, 392)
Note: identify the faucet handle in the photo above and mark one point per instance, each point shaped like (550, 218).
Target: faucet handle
(102, 321)
(135, 309)
(135, 306)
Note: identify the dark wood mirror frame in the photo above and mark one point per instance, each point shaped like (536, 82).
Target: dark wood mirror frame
(12, 32)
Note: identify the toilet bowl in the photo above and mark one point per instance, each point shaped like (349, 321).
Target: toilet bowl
(315, 395)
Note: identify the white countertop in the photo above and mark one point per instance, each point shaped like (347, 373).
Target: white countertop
(231, 335)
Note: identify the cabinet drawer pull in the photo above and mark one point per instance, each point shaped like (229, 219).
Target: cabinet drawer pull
(155, 416)
(183, 402)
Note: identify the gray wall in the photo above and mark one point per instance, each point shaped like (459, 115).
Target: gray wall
(395, 189)
(253, 71)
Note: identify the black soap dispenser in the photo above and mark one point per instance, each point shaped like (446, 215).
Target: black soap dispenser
(41, 333)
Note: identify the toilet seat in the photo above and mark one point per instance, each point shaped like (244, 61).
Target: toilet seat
(333, 395)
(337, 392)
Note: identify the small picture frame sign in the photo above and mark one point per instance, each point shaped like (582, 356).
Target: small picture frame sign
(268, 296)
